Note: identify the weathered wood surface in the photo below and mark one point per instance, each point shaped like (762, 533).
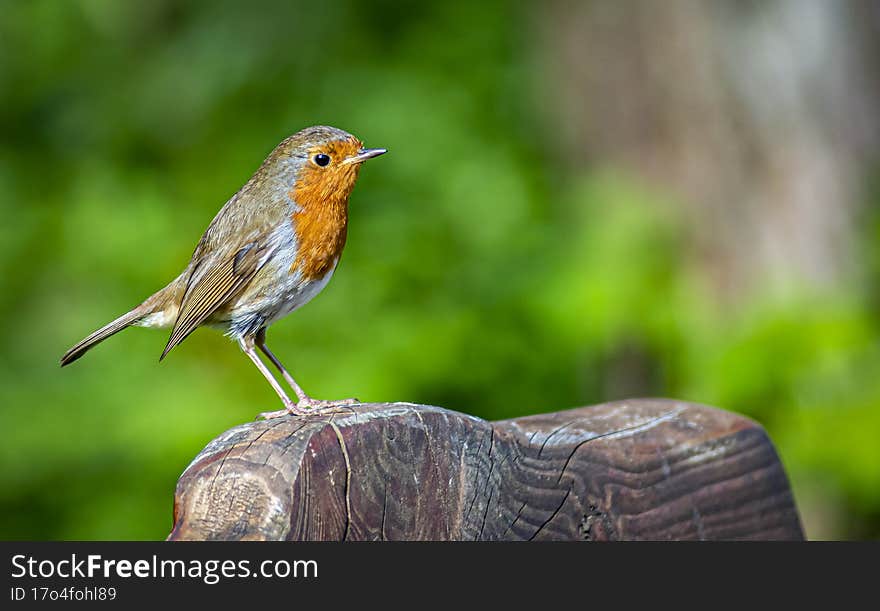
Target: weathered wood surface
(640, 469)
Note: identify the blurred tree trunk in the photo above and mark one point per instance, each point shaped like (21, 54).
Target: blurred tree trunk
(758, 116)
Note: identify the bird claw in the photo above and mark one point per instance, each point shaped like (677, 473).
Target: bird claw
(276, 414)
(308, 406)
(322, 404)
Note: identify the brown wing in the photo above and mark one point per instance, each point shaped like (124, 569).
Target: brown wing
(214, 288)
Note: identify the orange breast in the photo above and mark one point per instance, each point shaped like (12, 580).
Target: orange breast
(321, 233)
(321, 222)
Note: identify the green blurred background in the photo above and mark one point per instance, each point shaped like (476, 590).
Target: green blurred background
(583, 201)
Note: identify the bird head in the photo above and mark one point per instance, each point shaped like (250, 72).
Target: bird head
(321, 163)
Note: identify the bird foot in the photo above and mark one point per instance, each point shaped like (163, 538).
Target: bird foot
(308, 406)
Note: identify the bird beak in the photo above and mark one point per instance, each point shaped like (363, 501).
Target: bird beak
(364, 154)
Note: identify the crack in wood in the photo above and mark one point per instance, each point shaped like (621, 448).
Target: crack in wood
(556, 430)
(232, 495)
(428, 442)
(217, 472)
(500, 464)
(553, 515)
(433, 457)
(476, 483)
(626, 430)
(292, 438)
(488, 483)
(515, 520)
(384, 509)
(347, 478)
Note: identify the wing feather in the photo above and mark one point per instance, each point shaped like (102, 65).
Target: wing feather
(214, 288)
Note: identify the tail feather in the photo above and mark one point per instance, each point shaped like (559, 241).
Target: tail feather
(101, 334)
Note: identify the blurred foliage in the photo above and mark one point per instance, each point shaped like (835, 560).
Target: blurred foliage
(483, 272)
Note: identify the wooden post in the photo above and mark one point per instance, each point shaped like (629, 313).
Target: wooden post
(640, 469)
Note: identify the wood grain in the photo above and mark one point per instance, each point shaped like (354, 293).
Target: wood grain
(641, 469)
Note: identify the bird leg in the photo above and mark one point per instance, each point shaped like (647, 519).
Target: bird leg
(247, 345)
(306, 403)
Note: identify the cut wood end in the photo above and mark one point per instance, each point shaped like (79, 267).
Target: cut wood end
(637, 469)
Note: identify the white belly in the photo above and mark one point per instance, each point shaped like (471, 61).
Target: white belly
(287, 293)
(300, 294)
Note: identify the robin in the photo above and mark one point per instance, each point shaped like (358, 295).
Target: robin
(270, 250)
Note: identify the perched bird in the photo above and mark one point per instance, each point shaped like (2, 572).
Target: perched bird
(270, 250)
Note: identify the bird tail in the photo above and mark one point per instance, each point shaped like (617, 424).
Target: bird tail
(81, 347)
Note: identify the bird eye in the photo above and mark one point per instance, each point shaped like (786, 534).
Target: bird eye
(321, 159)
